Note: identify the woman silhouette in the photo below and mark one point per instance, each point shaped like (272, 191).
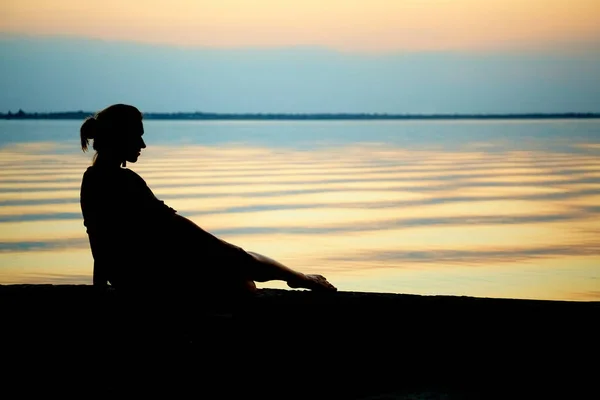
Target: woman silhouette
(138, 242)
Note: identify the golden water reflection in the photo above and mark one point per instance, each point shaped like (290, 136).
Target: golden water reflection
(372, 218)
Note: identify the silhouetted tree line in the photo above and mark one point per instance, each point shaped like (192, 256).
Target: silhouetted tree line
(79, 115)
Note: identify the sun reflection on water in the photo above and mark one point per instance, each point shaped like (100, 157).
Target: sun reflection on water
(372, 218)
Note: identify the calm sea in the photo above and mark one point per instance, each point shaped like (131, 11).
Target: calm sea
(476, 208)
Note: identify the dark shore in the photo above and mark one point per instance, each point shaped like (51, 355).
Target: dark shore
(210, 116)
(73, 339)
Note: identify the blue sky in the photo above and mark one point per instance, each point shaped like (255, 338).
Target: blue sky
(66, 73)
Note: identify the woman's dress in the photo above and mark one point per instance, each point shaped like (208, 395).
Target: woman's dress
(136, 240)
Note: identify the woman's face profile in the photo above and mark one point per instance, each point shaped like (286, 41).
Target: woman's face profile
(134, 143)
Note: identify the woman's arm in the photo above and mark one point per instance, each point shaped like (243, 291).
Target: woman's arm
(100, 277)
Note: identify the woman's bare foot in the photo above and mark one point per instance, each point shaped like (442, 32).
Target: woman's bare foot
(312, 282)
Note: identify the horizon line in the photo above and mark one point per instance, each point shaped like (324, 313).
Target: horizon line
(201, 115)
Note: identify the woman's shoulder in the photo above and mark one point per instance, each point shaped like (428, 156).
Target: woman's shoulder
(94, 170)
(132, 176)
(95, 175)
(89, 171)
(90, 174)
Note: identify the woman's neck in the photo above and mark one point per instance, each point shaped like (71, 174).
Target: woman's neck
(108, 161)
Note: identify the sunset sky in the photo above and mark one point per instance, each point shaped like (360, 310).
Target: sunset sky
(413, 56)
(518, 219)
(350, 25)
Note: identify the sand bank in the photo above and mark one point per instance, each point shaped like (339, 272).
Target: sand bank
(296, 344)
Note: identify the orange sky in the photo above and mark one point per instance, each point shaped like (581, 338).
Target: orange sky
(350, 25)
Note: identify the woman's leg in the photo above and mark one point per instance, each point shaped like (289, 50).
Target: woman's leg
(260, 268)
(267, 269)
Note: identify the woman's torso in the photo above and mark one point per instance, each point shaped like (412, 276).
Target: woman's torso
(126, 224)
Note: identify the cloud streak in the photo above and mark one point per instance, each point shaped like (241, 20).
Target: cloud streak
(346, 25)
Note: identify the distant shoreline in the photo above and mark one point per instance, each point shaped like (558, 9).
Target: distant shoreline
(202, 116)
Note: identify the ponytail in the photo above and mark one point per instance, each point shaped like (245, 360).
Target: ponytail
(88, 131)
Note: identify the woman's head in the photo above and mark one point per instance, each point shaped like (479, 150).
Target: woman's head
(116, 131)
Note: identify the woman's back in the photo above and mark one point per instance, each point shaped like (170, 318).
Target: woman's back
(128, 227)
